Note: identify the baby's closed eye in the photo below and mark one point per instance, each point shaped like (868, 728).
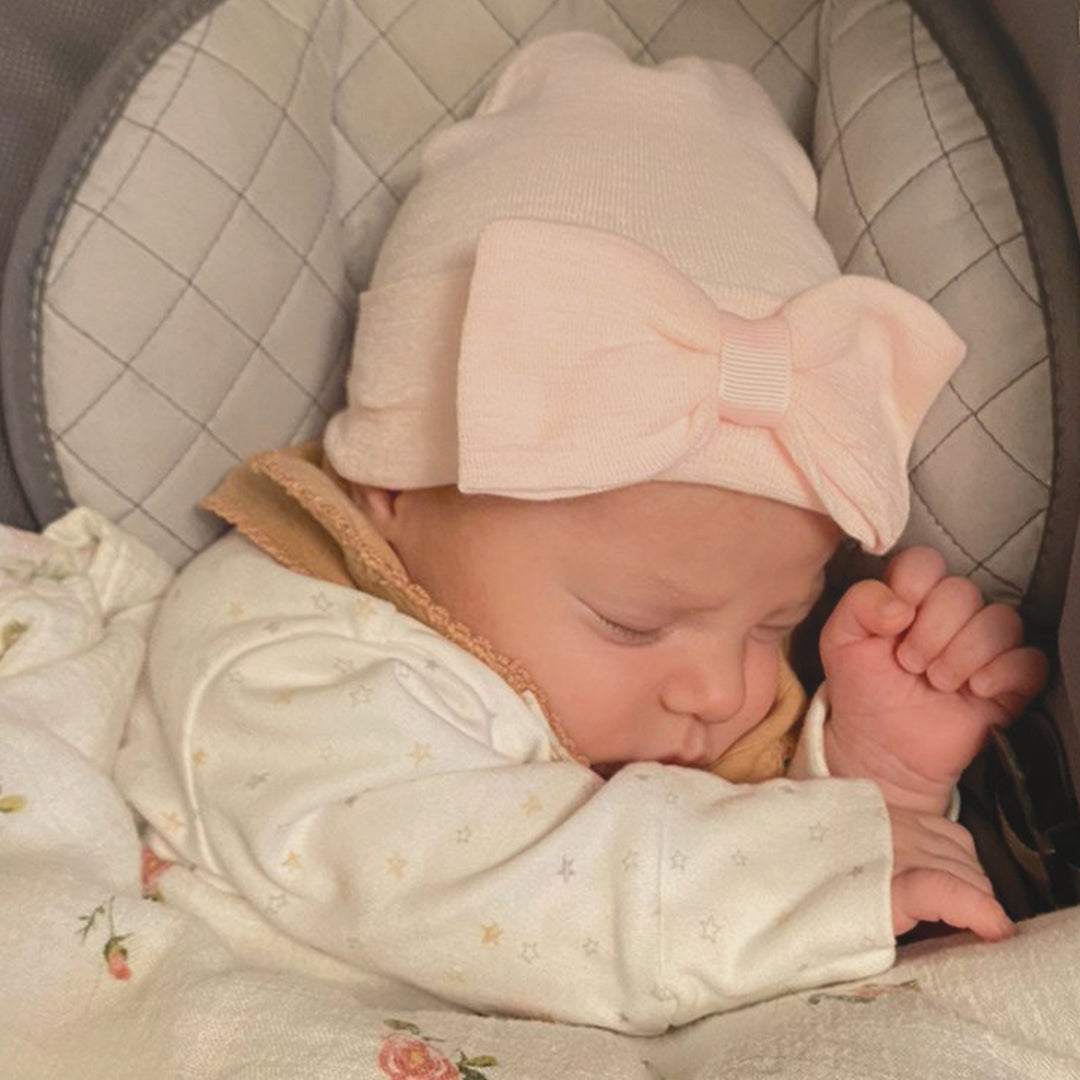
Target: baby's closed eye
(627, 632)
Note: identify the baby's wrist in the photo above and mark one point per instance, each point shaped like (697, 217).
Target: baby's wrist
(901, 788)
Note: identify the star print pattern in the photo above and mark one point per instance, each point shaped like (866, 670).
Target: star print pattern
(360, 695)
(659, 854)
(420, 752)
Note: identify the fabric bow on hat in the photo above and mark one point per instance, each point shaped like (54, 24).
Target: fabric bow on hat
(588, 362)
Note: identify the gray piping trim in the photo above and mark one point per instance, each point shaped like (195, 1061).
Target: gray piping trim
(66, 167)
(999, 90)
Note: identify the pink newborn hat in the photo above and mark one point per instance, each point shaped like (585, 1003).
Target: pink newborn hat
(612, 274)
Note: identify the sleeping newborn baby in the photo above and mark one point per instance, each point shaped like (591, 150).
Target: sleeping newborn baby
(485, 700)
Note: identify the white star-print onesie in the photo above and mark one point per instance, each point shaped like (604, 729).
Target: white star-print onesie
(343, 774)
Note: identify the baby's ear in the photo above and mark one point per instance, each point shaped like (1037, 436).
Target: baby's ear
(380, 505)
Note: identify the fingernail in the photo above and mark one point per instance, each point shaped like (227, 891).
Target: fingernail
(910, 660)
(941, 678)
(979, 684)
(893, 609)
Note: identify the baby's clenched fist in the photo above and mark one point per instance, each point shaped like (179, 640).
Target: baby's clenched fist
(918, 669)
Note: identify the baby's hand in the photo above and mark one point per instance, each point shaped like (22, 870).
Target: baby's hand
(918, 669)
(937, 878)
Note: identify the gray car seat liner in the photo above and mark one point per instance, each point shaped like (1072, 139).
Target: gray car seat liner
(1018, 797)
(51, 50)
(1000, 90)
(21, 393)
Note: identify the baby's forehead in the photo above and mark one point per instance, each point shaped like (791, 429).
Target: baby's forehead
(686, 540)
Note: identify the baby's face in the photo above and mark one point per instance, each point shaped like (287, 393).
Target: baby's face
(651, 617)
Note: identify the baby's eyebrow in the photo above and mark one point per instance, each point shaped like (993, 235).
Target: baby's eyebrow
(801, 608)
(676, 596)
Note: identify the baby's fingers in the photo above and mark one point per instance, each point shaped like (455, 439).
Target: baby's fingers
(925, 895)
(868, 609)
(1011, 678)
(942, 614)
(989, 633)
(913, 572)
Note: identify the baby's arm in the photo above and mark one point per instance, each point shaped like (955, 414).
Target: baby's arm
(917, 670)
(376, 799)
(936, 874)
(937, 877)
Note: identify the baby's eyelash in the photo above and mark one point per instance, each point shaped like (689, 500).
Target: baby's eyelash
(628, 632)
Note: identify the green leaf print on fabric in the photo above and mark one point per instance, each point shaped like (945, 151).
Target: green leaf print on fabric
(10, 632)
(114, 950)
(864, 995)
(11, 804)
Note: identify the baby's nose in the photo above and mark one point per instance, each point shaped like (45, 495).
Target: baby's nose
(710, 689)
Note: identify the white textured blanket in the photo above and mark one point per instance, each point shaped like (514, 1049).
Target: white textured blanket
(98, 981)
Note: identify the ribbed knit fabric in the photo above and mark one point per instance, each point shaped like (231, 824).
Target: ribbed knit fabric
(573, 254)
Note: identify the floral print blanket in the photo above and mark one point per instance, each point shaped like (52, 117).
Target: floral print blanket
(100, 978)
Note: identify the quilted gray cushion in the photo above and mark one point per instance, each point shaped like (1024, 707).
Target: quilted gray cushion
(913, 190)
(198, 299)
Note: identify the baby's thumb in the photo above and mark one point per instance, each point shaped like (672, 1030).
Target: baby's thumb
(868, 609)
(924, 895)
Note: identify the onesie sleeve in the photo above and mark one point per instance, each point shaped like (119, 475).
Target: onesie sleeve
(380, 794)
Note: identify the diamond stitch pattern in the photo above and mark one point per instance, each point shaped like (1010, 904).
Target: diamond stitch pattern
(981, 463)
(240, 201)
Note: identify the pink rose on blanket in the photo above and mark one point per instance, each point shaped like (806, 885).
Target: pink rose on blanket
(114, 950)
(116, 958)
(152, 869)
(405, 1057)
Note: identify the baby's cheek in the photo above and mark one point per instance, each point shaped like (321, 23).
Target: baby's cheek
(762, 683)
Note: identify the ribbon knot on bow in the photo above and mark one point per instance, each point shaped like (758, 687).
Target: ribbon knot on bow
(755, 371)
